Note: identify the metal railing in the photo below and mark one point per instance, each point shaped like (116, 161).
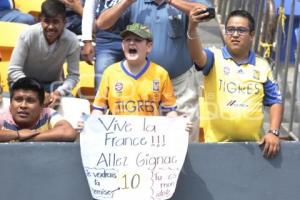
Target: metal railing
(272, 32)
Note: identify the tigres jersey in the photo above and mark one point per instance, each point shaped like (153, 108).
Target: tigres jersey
(235, 95)
(147, 93)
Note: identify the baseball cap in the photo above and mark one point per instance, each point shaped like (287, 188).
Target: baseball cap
(137, 29)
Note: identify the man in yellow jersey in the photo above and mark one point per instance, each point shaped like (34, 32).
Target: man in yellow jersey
(136, 86)
(237, 85)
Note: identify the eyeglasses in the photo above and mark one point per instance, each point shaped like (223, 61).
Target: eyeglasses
(240, 30)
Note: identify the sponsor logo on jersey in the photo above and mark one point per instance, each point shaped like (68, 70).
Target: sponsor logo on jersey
(226, 70)
(119, 87)
(256, 74)
(240, 71)
(155, 85)
(234, 103)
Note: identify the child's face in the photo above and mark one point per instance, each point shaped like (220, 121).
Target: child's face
(136, 48)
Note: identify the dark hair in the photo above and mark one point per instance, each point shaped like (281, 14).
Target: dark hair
(27, 83)
(245, 14)
(52, 8)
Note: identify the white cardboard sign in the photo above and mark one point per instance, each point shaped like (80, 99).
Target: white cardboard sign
(133, 157)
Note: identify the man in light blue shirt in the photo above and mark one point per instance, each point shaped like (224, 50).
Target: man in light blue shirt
(8, 13)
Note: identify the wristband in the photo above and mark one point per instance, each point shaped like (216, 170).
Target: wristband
(275, 132)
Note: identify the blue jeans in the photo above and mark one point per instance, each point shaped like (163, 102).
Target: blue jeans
(107, 52)
(16, 16)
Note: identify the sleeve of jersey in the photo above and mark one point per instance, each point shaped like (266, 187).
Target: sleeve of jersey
(272, 92)
(209, 63)
(100, 102)
(168, 99)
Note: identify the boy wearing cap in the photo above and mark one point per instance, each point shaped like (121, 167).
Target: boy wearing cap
(135, 86)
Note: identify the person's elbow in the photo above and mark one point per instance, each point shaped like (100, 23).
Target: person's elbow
(101, 24)
(68, 133)
(200, 61)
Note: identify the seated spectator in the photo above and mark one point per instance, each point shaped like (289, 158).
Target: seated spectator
(42, 50)
(28, 120)
(8, 13)
(136, 86)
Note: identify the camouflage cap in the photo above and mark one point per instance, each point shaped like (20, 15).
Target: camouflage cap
(137, 29)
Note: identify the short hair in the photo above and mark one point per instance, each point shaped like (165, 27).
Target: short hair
(53, 8)
(245, 14)
(27, 83)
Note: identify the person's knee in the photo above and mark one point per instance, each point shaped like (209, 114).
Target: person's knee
(26, 19)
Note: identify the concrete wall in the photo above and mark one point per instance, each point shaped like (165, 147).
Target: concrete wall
(53, 171)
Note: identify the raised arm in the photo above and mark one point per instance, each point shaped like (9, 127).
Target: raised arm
(186, 6)
(111, 15)
(88, 20)
(75, 5)
(193, 37)
(87, 30)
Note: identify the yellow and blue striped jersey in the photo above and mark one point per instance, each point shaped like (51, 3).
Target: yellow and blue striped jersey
(234, 95)
(47, 120)
(149, 92)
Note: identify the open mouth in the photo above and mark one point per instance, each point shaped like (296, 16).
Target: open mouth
(132, 51)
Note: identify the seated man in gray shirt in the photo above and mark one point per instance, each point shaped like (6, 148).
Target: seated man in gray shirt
(41, 51)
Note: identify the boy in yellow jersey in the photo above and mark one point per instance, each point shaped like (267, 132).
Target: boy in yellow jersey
(237, 85)
(135, 86)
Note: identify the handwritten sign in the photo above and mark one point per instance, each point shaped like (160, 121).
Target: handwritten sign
(133, 157)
